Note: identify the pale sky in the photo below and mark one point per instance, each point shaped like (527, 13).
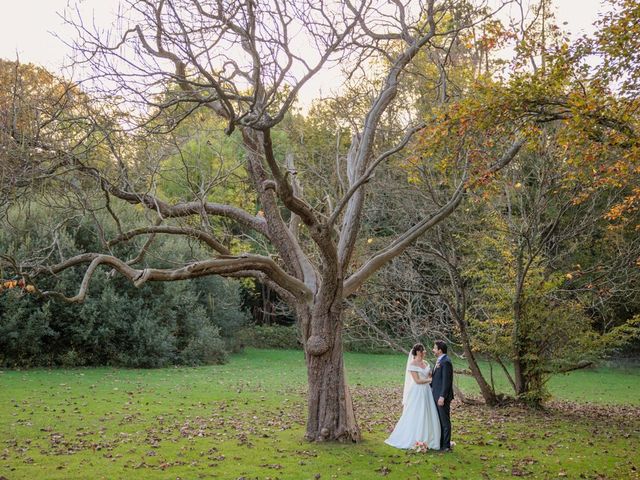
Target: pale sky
(28, 26)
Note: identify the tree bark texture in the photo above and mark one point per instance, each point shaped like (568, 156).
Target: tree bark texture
(330, 408)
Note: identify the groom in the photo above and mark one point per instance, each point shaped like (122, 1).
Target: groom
(442, 388)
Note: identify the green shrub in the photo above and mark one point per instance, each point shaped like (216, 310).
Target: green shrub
(25, 331)
(270, 336)
(288, 338)
(364, 346)
(159, 324)
(155, 326)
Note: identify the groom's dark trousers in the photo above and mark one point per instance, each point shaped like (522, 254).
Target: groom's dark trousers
(442, 386)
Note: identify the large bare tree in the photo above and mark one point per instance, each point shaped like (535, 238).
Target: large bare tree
(246, 61)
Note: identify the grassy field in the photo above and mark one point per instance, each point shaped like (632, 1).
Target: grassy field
(246, 420)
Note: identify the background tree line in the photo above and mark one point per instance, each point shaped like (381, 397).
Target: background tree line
(537, 271)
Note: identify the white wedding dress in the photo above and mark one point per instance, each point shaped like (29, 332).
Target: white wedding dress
(419, 421)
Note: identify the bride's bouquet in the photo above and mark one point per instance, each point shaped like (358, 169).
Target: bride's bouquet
(421, 447)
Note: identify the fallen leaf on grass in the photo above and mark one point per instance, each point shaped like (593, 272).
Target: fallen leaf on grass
(383, 470)
(517, 472)
(274, 466)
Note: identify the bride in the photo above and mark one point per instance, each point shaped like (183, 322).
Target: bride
(419, 421)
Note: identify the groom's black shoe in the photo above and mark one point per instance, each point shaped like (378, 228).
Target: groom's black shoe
(447, 450)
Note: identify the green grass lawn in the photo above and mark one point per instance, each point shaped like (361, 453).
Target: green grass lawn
(246, 419)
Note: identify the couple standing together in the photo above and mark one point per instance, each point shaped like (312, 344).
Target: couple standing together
(426, 401)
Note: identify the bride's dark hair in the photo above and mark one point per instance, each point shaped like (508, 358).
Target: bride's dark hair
(418, 347)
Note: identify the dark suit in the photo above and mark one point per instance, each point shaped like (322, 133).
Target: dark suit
(442, 386)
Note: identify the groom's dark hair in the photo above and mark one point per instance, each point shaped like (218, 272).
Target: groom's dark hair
(441, 346)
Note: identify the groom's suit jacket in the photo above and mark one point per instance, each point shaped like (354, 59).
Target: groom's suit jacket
(442, 381)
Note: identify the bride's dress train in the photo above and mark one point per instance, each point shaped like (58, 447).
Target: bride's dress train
(419, 421)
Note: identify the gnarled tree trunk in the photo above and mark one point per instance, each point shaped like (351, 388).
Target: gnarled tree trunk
(330, 408)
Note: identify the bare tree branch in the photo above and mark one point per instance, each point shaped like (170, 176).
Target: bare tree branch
(210, 240)
(401, 243)
(223, 266)
(366, 176)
